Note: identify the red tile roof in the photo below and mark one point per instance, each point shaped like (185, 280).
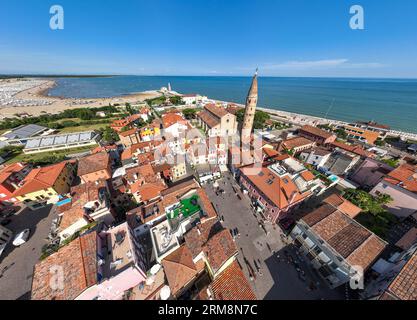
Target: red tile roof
(307, 175)
(356, 244)
(404, 286)
(10, 169)
(316, 131)
(405, 176)
(207, 204)
(351, 148)
(93, 163)
(212, 239)
(40, 178)
(297, 142)
(232, 284)
(180, 269)
(128, 132)
(169, 119)
(215, 110)
(147, 191)
(343, 205)
(78, 262)
(279, 190)
(208, 118)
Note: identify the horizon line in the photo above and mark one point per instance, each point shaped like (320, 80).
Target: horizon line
(92, 75)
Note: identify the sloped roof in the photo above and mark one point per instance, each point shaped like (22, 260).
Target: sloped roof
(10, 169)
(219, 112)
(92, 163)
(78, 261)
(208, 118)
(212, 239)
(232, 284)
(40, 178)
(296, 143)
(316, 131)
(169, 119)
(343, 205)
(406, 175)
(279, 190)
(404, 286)
(179, 268)
(356, 244)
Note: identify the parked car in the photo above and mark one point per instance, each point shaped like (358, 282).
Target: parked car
(21, 238)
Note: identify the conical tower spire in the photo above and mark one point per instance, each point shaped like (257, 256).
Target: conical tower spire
(250, 109)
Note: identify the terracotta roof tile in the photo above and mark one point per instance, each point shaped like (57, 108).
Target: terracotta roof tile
(41, 178)
(281, 191)
(343, 205)
(215, 110)
(208, 118)
(316, 131)
(170, 119)
(345, 236)
(297, 142)
(232, 284)
(93, 163)
(405, 176)
(307, 175)
(179, 269)
(212, 239)
(78, 261)
(404, 286)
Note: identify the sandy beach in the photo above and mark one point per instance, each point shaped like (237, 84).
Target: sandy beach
(56, 105)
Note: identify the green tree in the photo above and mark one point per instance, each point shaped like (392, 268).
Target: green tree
(189, 113)
(260, 118)
(176, 100)
(341, 134)
(109, 135)
(367, 202)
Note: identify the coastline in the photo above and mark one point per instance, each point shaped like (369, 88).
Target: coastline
(59, 104)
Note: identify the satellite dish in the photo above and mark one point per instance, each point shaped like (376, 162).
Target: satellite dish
(155, 269)
(165, 293)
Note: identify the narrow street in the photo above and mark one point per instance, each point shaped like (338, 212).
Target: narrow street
(265, 255)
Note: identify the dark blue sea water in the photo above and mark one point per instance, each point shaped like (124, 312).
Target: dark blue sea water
(388, 101)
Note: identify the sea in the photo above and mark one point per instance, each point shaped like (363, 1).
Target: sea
(387, 101)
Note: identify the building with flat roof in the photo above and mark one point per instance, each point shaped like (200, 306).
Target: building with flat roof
(61, 142)
(19, 135)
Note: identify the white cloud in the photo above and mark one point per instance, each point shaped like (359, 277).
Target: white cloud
(319, 64)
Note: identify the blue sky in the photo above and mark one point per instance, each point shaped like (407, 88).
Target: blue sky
(210, 37)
